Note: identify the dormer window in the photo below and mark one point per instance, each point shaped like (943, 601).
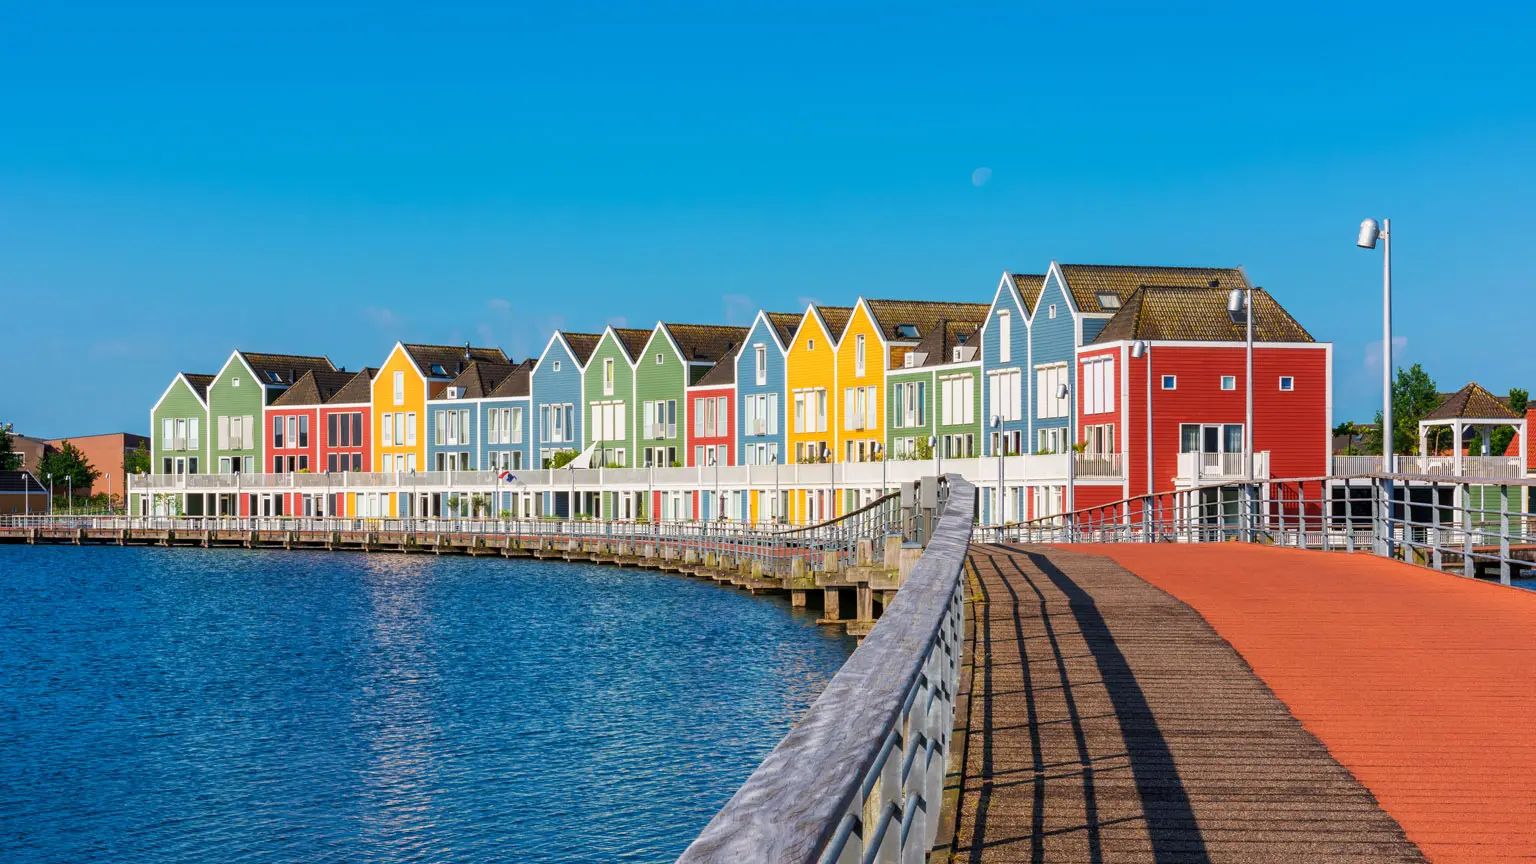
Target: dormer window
(957, 354)
(906, 331)
(1109, 300)
(907, 361)
(455, 392)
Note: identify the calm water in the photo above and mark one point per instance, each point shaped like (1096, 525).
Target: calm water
(223, 706)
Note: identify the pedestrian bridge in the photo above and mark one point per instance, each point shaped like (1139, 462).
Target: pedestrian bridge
(1171, 702)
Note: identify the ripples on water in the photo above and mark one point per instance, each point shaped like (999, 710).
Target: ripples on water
(231, 706)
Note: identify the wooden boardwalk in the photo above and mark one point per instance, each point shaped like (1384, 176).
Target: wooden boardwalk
(1109, 722)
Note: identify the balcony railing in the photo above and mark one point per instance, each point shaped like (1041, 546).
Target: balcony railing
(1346, 466)
(1507, 467)
(1221, 466)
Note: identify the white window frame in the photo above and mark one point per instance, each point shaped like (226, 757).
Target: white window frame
(1227, 378)
(1170, 382)
(399, 388)
(1004, 336)
(760, 358)
(1287, 383)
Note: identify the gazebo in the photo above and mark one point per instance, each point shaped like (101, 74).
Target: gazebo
(1470, 409)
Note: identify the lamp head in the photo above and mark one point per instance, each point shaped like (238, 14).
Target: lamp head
(1061, 391)
(1237, 306)
(1369, 232)
(1138, 349)
(997, 421)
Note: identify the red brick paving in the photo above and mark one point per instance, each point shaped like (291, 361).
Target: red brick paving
(1422, 684)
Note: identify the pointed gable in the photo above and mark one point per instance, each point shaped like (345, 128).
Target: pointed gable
(517, 384)
(357, 389)
(1472, 402)
(581, 345)
(199, 383)
(480, 378)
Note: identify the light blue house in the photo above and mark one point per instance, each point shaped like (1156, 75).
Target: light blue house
(1007, 386)
(760, 389)
(558, 405)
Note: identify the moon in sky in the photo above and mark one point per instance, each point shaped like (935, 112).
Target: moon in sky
(980, 176)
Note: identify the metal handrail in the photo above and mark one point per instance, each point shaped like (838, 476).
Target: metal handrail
(862, 773)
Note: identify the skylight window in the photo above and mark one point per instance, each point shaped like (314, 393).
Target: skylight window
(1109, 300)
(274, 377)
(906, 331)
(438, 370)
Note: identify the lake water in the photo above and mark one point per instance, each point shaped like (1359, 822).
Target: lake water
(194, 705)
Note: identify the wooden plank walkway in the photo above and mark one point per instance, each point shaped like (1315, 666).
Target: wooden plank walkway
(1423, 684)
(1109, 723)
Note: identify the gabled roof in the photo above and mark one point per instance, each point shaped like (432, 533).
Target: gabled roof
(632, 340)
(1029, 286)
(937, 348)
(447, 361)
(200, 383)
(581, 344)
(283, 370)
(705, 343)
(357, 390)
(518, 383)
(1472, 402)
(723, 373)
(314, 388)
(784, 325)
(480, 378)
(836, 318)
(1087, 281)
(1197, 315)
(910, 321)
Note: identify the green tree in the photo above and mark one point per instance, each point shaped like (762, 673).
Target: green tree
(64, 463)
(10, 460)
(561, 458)
(1519, 400)
(1414, 395)
(136, 461)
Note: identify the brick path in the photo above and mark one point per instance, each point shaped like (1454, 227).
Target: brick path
(1421, 683)
(1109, 722)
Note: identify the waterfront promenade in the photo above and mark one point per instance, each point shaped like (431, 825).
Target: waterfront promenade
(1135, 702)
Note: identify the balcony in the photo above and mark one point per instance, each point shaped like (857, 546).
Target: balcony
(1346, 466)
(1214, 467)
(1481, 467)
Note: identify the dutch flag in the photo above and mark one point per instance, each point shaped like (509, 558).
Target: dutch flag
(506, 476)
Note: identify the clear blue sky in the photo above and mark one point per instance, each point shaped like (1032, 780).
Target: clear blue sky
(180, 179)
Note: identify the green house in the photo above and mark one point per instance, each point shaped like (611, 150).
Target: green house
(933, 400)
(608, 389)
(178, 425)
(675, 357)
(247, 383)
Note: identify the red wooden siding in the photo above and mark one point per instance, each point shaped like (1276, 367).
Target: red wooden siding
(726, 440)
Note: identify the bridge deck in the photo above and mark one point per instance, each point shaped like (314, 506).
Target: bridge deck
(1421, 683)
(1109, 722)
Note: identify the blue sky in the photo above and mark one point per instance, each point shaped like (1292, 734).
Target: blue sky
(178, 179)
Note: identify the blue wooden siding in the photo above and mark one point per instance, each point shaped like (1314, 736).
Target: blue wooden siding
(438, 406)
(1052, 340)
(991, 359)
(747, 386)
(549, 387)
(1091, 328)
(488, 448)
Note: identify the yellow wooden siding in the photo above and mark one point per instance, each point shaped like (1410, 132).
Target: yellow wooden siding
(807, 367)
(873, 421)
(414, 402)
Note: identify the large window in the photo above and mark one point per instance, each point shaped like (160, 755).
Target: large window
(760, 359)
(1210, 438)
(608, 421)
(861, 407)
(1048, 381)
(858, 355)
(607, 376)
(1098, 385)
(958, 406)
(1005, 391)
(909, 404)
(399, 388)
(1004, 337)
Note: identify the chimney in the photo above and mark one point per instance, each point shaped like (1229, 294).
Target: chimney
(466, 351)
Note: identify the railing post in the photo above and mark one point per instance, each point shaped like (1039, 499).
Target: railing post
(1468, 566)
(1503, 535)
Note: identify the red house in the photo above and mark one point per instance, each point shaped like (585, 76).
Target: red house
(319, 425)
(712, 431)
(1193, 359)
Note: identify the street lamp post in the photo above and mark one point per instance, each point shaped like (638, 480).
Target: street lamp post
(1240, 307)
(1139, 349)
(1070, 502)
(938, 455)
(50, 493)
(1369, 233)
(777, 516)
(826, 456)
(1002, 506)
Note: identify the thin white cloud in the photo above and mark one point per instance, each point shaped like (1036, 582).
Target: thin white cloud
(382, 317)
(497, 304)
(618, 321)
(1373, 352)
(739, 308)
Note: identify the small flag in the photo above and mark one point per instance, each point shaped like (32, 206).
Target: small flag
(507, 476)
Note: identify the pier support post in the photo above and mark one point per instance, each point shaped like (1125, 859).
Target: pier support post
(865, 602)
(797, 599)
(832, 604)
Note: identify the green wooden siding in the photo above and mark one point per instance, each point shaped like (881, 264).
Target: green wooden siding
(623, 391)
(978, 422)
(180, 403)
(892, 431)
(661, 382)
(236, 393)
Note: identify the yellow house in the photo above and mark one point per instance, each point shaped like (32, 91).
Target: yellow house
(861, 361)
(810, 383)
(412, 375)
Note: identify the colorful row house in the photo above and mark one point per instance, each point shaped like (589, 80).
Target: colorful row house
(1125, 379)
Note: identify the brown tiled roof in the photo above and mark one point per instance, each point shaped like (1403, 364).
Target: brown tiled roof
(836, 318)
(632, 340)
(1029, 287)
(284, 369)
(314, 388)
(357, 390)
(452, 358)
(784, 323)
(892, 315)
(705, 343)
(1198, 315)
(938, 346)
(582, 344)
(480, 378)
(1472, 402)
(516, 384)
(723, 373)
(1088, 281)
(200, 383)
